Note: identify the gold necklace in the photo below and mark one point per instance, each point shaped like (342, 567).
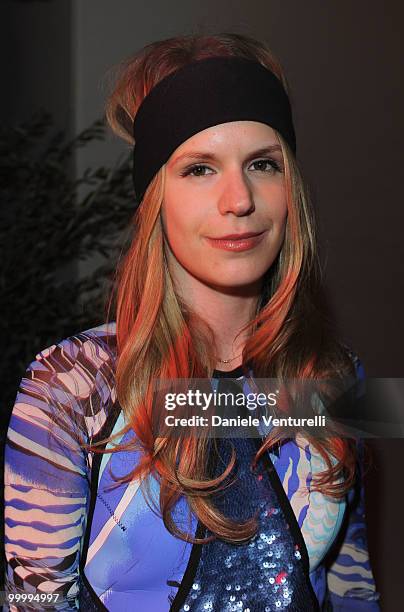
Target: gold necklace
(228, 360)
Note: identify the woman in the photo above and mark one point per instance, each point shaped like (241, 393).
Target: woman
(221, 282)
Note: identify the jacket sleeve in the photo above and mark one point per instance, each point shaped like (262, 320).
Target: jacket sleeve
(46, 481)
(351, 585)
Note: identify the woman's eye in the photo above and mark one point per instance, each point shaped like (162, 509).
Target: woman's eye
(261, 165)
(265, 165)
(195, 170)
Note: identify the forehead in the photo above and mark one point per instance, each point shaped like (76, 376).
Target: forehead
(235, 134)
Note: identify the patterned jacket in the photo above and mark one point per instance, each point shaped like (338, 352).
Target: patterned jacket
(97, 546)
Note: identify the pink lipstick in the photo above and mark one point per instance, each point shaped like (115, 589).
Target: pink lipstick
(237, 242)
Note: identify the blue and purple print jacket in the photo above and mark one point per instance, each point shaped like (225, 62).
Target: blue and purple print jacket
(101, 547)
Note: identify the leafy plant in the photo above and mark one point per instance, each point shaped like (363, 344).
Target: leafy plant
(50, 221)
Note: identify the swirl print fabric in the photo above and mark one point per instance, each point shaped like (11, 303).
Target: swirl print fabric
(67, 532)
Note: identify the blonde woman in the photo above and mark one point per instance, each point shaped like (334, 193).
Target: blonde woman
(221, 281)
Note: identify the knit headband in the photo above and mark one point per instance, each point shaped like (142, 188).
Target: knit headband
(202, 94)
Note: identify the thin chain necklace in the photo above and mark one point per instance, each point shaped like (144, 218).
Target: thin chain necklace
(228, 360)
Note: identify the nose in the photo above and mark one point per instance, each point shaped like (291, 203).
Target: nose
(236, 194)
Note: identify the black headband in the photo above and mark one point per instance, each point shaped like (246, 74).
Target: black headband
(202, 94)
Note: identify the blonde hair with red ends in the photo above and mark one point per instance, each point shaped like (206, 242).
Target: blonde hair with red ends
(158, 335)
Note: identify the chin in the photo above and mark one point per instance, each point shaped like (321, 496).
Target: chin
(241, 275)
(236, 281)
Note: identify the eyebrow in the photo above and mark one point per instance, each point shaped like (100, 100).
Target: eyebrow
(208, 156)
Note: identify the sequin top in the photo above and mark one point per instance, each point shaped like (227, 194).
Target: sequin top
(101, 547)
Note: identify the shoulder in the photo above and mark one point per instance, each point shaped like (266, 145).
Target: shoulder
(349, 370)
(358, 370)
(76, 374)
(79, 356)
(98, 344)
(358, 392)
(356, 361)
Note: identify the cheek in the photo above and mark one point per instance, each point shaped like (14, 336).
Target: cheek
(278, 207)
(283, 217)
(180, 227)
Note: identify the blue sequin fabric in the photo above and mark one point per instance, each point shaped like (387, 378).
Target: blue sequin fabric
(265, 574)
(100, 546)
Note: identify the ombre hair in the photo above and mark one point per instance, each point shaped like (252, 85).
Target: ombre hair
(158, 335)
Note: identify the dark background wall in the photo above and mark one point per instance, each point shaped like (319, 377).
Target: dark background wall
(37, 63)
(343, 60)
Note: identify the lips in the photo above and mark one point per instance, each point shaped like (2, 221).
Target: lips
(237, 242)
(237, 236)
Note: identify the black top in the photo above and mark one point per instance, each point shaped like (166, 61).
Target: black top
(235, 373)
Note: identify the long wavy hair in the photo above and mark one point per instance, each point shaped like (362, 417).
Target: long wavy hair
(292, 335)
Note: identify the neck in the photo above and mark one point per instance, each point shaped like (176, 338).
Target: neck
(226, 310)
